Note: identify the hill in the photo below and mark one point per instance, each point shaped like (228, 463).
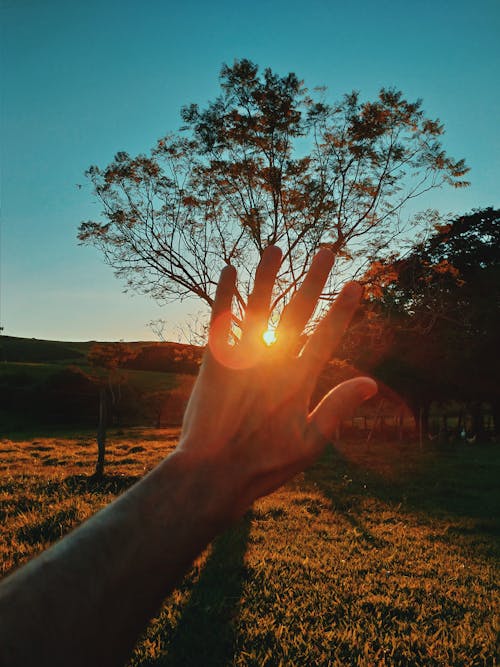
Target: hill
(151, 355)
(50, 383)
(29, 350)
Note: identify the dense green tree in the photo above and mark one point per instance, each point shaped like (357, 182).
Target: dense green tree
(434, 316)
(266, 162)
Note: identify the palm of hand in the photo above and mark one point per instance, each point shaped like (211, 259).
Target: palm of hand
(248, 412)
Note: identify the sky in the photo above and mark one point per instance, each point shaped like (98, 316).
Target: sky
(82, 80)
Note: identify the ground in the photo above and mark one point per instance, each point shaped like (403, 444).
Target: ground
(379, 555)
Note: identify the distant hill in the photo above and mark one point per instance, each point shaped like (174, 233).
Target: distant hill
(51, 382)
(152, 356)
(31, 350)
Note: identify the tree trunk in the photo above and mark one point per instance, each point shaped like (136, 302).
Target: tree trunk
(443, 429)
(421, 417)
(117, 405)
(158, 417)
(495, 412)
(477, 420)
(101, 434)
(426, 408)
(400, 425)
(420, 428)
(374, 425)
(460, 424)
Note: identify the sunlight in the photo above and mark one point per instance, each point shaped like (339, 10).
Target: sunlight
(269, 337)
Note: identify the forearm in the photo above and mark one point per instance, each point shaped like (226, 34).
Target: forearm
(87, 599)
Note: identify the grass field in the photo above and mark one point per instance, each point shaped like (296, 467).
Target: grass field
(376, 556)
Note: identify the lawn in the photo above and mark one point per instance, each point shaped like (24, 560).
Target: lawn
(376, 556)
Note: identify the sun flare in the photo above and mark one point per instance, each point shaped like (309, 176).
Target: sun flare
(269, 337)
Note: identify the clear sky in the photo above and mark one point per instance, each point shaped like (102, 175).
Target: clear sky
(83, 79)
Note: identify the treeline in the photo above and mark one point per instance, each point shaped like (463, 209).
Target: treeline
(167, 358)
(430, 324)
(49, 383)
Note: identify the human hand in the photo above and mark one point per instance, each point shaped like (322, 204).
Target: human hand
(246, 431)
(248, 419)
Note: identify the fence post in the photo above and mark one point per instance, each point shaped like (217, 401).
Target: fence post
(420, 424)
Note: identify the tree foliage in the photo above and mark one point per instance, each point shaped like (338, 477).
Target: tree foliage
(436, 314)
(266, 162)
(110, 356)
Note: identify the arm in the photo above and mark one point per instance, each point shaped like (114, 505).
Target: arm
(245, 432)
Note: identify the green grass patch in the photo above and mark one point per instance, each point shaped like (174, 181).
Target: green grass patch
(27, 373)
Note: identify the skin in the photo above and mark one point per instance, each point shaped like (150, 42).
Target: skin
(247, 430)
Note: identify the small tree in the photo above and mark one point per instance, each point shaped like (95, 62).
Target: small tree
(109, 357)
(265, 163)
(167, 406)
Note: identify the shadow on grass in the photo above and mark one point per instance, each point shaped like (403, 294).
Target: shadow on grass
(205, 633)
(461, 484)
(114, 484)
(342, 503)
(71, 485)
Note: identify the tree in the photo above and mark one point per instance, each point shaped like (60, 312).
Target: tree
(436, 313)
(265, 163)
(167, 358)
(167, 405)
(109, 357)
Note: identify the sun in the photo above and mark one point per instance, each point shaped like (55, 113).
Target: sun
(269, 337)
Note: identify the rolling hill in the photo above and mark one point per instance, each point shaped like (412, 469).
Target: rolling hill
(51, 382)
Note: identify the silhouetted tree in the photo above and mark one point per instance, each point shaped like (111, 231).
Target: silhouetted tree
(265, 163)
(436, 316)
(167, 358)
(167, 405)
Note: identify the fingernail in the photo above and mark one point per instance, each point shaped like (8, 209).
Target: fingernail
(367, 388)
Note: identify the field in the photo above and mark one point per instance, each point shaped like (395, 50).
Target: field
(379, 555)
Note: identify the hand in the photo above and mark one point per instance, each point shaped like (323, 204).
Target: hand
(248, 416)
(246, 431)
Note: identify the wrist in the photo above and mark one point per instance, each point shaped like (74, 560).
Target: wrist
(201, 488)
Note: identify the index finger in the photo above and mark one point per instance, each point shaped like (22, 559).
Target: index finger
(220, 322)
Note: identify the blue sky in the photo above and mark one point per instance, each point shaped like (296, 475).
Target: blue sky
(81, 80)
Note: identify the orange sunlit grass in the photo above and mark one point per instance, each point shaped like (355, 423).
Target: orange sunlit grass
(406, 567)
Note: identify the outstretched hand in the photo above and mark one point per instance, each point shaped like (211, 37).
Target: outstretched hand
(247, 429)
(248, 416)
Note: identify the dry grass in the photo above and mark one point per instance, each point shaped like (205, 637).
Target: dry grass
(384, 556)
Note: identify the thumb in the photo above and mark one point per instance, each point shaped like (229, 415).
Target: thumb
(337, 405)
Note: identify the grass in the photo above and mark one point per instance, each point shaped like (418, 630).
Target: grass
(376, 556)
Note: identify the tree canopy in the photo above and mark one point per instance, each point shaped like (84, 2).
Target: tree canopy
(266, 162)
(436, 314)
